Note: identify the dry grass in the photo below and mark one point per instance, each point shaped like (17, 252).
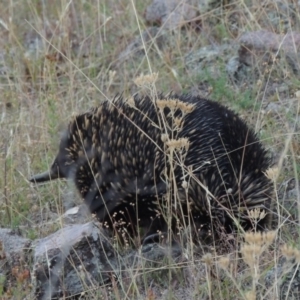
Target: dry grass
(62, 57)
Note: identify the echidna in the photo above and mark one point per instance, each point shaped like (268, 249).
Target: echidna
(119, 156)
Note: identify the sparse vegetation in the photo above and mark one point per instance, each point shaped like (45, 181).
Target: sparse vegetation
(62, 57)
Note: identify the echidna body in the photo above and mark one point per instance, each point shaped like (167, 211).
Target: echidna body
(116, 155)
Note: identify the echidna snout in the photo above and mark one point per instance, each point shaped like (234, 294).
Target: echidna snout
(61, 166)
(52, 174)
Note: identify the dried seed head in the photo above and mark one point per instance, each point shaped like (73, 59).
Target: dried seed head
(164, 137)
(269, 237)
(256, 214)
(184, 184)
(162, 104)
(223, 262)
(250, 295)
(130, 102)
(111, 75)
(260, 238)
(178, 123)
(146, 80)
(272, 173)
(207, 259)
(178, 144)
(186, 107)
(290, 252)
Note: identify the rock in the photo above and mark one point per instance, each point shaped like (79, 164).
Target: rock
(71, 260)
(171, 13)
(13, 243)
(294, 193)
(236, 70)
(15, 257)
(153, 254)
(261, 52)
(279, 16)
(286, 276)
(209, 60)
(152, 35)
(80, 257)
(15, 248)
(274, 108)
(76, 215)
(264, 46)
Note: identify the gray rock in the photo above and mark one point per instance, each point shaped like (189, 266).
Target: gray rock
(286, 276)
(151, 36)
(71, 260)
(13, 244)
(209, 59)
(264, 46)
(172, 13)
(152, 254)
(80, 257)
(280, 16)
(15, 256)
(236, 70)
(76, 215)
(15, 247)
(262, 51)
